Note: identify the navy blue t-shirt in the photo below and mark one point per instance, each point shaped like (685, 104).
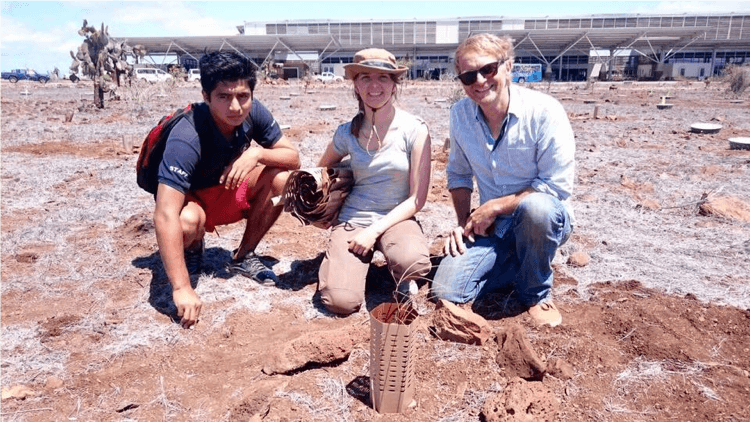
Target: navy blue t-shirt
(189, 164)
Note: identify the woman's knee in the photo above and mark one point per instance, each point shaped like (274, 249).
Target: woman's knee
(341, 283)
(411, 266)
(341, 301)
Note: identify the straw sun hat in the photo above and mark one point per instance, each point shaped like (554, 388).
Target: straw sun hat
(373, 60)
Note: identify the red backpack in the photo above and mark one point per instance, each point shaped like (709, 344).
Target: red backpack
(152, 150)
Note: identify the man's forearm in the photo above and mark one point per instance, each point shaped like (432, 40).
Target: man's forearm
(169, 238)
(283, 158)
(461, 197)
(283, 154)
(506, 205)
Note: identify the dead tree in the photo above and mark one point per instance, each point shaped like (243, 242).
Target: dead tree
(102, 59)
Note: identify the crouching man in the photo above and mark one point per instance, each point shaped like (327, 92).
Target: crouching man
(518, 146)
(216, 178)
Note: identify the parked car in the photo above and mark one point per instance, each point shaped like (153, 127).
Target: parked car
(152, 74)
(193, 75)
(16, 75)
(328, 77)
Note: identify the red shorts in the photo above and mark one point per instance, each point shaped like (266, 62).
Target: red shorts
(222, 206)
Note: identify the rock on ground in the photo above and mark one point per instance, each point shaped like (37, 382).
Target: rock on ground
(522, 401)
(516, 357)
(578, 259)
(560, 369)
(729, 207)
(453, 323)
(322, 347)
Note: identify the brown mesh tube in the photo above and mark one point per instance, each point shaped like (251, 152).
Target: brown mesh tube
(314, 196)
(392, 357)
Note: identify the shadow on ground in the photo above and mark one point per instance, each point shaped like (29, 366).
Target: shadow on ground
(215, 262)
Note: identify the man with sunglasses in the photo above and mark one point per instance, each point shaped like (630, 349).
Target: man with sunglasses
(519, 147)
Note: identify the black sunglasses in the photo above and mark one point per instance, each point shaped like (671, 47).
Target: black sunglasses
(487, 71)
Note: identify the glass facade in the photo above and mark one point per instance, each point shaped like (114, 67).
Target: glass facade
(406, 39)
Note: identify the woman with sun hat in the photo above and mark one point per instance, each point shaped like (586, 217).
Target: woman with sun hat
(389, 151)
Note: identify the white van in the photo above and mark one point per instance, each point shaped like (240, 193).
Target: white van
(193, 75)
(152, 74)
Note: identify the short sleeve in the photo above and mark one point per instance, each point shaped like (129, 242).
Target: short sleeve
(181, 156)
(265, 129)
(341, 137)
(417, 125)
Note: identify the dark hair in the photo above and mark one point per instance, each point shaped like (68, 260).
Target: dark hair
(221, 66)
(357, 121)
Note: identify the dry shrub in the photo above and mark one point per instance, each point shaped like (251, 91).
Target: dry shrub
(139, 93)
(589, 85)
(456, 94)
(737, 78)
(447, 77)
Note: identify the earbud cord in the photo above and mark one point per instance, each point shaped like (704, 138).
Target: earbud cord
(370, 137)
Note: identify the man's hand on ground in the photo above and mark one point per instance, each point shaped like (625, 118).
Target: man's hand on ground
(188, 306)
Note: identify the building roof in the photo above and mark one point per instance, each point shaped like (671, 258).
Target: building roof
(260, 44)
(559, 41)
(540, 37)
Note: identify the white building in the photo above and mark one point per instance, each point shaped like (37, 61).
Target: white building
(634, 45)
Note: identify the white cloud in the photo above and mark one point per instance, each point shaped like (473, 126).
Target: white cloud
(15, 31)
(169, 18)
(49, 45)
(23, 46)
(82, 4)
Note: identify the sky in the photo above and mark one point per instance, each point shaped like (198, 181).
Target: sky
(40, 35)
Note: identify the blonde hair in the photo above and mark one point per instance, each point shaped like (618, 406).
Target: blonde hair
(493, 45)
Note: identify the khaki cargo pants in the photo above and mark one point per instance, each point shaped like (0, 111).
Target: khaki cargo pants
(341, 278)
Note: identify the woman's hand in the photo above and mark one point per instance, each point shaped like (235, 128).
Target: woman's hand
(362, 243)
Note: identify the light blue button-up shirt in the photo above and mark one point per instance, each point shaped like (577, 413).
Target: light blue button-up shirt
(535, 150)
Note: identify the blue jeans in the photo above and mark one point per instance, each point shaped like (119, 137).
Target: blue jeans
(520, 260)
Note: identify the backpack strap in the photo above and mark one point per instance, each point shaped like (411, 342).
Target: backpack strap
(152, 150)
(201, 121)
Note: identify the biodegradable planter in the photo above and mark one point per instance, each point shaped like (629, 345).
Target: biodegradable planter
(705, 128)
(392, 357)
(739, 143)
